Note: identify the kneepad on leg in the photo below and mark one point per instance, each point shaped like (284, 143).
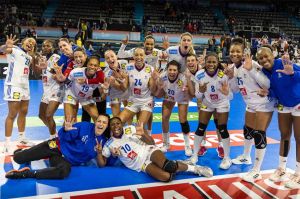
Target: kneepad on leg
(260, 139)
(170, 166)
(201, 129)
(223, 131)
(248, 132)
(185, 127)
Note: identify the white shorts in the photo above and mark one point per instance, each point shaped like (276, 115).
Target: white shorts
(14, 93)
(182, 102)
(56, 96)
(151, 149)
(223, 107)
(69, 98)
(295, 111)
(117, 100)
(136, 107)
(267, 107)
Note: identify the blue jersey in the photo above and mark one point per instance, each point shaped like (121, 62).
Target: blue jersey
(286, 88)
(78, 145)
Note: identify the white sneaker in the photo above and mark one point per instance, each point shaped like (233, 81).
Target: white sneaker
(294, 182)
(188, 151)
(252, 176)
(8, 149)
(241, 159)
(204, 171)
(279, 175)
(191, 161)
(226, 163)
(23, 141)
(165, 147)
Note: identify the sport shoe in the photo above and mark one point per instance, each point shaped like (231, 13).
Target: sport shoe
(17, 174)
(226, 163)
(188, 151)
(203, 171)
(202, 151)
(191, 161)
(23, 141)
(220, 151)
(252, 176)
(294, 182)
(279, 175)
(241, 159)
(8, 149)
(165, 147)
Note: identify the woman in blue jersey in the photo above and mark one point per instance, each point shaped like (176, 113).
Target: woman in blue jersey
(75, 145)
(285, 86)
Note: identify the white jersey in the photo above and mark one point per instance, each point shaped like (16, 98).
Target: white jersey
(151, 59)
(249, 82)
(81, 91)
(113, 92)
(212, 95)
(139, 90)
(175, 54)
(18, 68)
(133, 150)
(176, 90)
(49, 84)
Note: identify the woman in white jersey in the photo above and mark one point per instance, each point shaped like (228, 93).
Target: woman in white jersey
(137, 150)
(53, 90)
(117, 94)
(141, 83)
(16, 87)
(78, 91)
(249, 79)
(213, 89)
(173, 87)
(179, 53)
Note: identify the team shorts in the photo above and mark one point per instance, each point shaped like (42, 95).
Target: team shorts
(223, 107)
(295, 111)
(150, 149)
(69, 98)
(266, 107)
(136, 107)
(15, 93)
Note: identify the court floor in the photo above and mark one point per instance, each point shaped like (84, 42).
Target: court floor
(120, 182)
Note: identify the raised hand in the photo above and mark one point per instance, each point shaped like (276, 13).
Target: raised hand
(163, 56)
(229, 71)
(125, 40)
(224, 88)
(287, 66)
(165, 42)
(248, 62)
(187, 74)
(58, 71)
(42, 62)
(203, 87)
(68, 125)
(10, 41)
(98, 147)
(155, 75)
(81, 80)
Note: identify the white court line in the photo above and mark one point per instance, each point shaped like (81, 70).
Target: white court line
(157, 104)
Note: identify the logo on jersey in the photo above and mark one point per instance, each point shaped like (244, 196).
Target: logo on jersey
(44, 79)
(137, 91)
(123, 66)
(26, 71)
(16, 95)
(214, 97)
(200, 76)
(78, 74)
(165, 78)
(69, 98)
(147, 69)
(173, 52)
(81, 94)
(128, 131)
(154, 53)
(280, 107)
(179, 83)
(203, 106)
(130, 67)
(132, 155)
(220, 74)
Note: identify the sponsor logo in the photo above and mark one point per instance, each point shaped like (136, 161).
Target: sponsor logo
(16, 95)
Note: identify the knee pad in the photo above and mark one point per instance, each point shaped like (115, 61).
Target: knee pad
(216, 122)
(248, 132)
(170, 166)
(223, 131)
(260, 139)
(185, 127)
(201, 129)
